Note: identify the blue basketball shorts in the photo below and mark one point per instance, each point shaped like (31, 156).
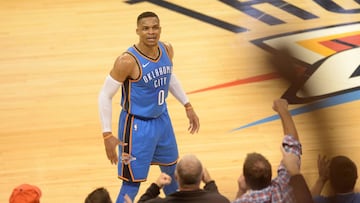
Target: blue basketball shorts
(149, 141)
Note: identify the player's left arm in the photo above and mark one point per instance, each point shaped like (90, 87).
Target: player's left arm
(178, 92)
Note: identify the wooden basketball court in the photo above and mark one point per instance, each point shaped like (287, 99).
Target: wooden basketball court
(55, 55)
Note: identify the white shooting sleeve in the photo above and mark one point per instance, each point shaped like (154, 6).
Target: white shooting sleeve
(177, 91)
(111, 86)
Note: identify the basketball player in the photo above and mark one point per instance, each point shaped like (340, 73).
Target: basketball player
(144, 72)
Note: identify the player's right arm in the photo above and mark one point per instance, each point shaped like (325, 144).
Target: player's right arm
(124, 67)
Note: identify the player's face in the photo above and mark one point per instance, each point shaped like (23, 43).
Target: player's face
(149, 31)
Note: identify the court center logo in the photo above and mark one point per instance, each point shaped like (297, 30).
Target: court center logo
(330, 58)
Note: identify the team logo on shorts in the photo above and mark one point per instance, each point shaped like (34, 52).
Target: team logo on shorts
(126, 158)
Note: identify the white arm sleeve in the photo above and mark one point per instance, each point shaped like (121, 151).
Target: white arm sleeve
(176, 90)
(107, 92)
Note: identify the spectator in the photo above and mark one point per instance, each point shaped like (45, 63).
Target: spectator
(99, 195)
(25, 193)
(189, 175)
(301, 191)
(341, 172)
(256, 183)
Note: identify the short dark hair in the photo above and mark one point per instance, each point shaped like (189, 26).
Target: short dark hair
(99, 195)
(257, 171)
(146, 14)
(343, 174)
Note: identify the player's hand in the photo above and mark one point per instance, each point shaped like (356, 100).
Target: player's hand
(194, 123)
(111, 143)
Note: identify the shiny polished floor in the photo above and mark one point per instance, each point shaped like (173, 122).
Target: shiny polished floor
(55, 55)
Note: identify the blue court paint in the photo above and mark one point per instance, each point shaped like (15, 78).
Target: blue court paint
(329, 102)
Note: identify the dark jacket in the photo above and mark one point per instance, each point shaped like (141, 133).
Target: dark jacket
(209, 194)
(301, 191)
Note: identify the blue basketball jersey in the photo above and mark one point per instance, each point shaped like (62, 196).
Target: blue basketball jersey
(145, 96)
(144, 122)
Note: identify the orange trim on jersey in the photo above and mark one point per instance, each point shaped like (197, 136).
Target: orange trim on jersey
(135, 181)
(122, 178)
(162, 164)
(139, 67)
(124, 93)
(123, 149)
(167, 52)
(130, 147)
(127, 101)
(148, 58)
(128, 126)
(315, 45)
(128, 97)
